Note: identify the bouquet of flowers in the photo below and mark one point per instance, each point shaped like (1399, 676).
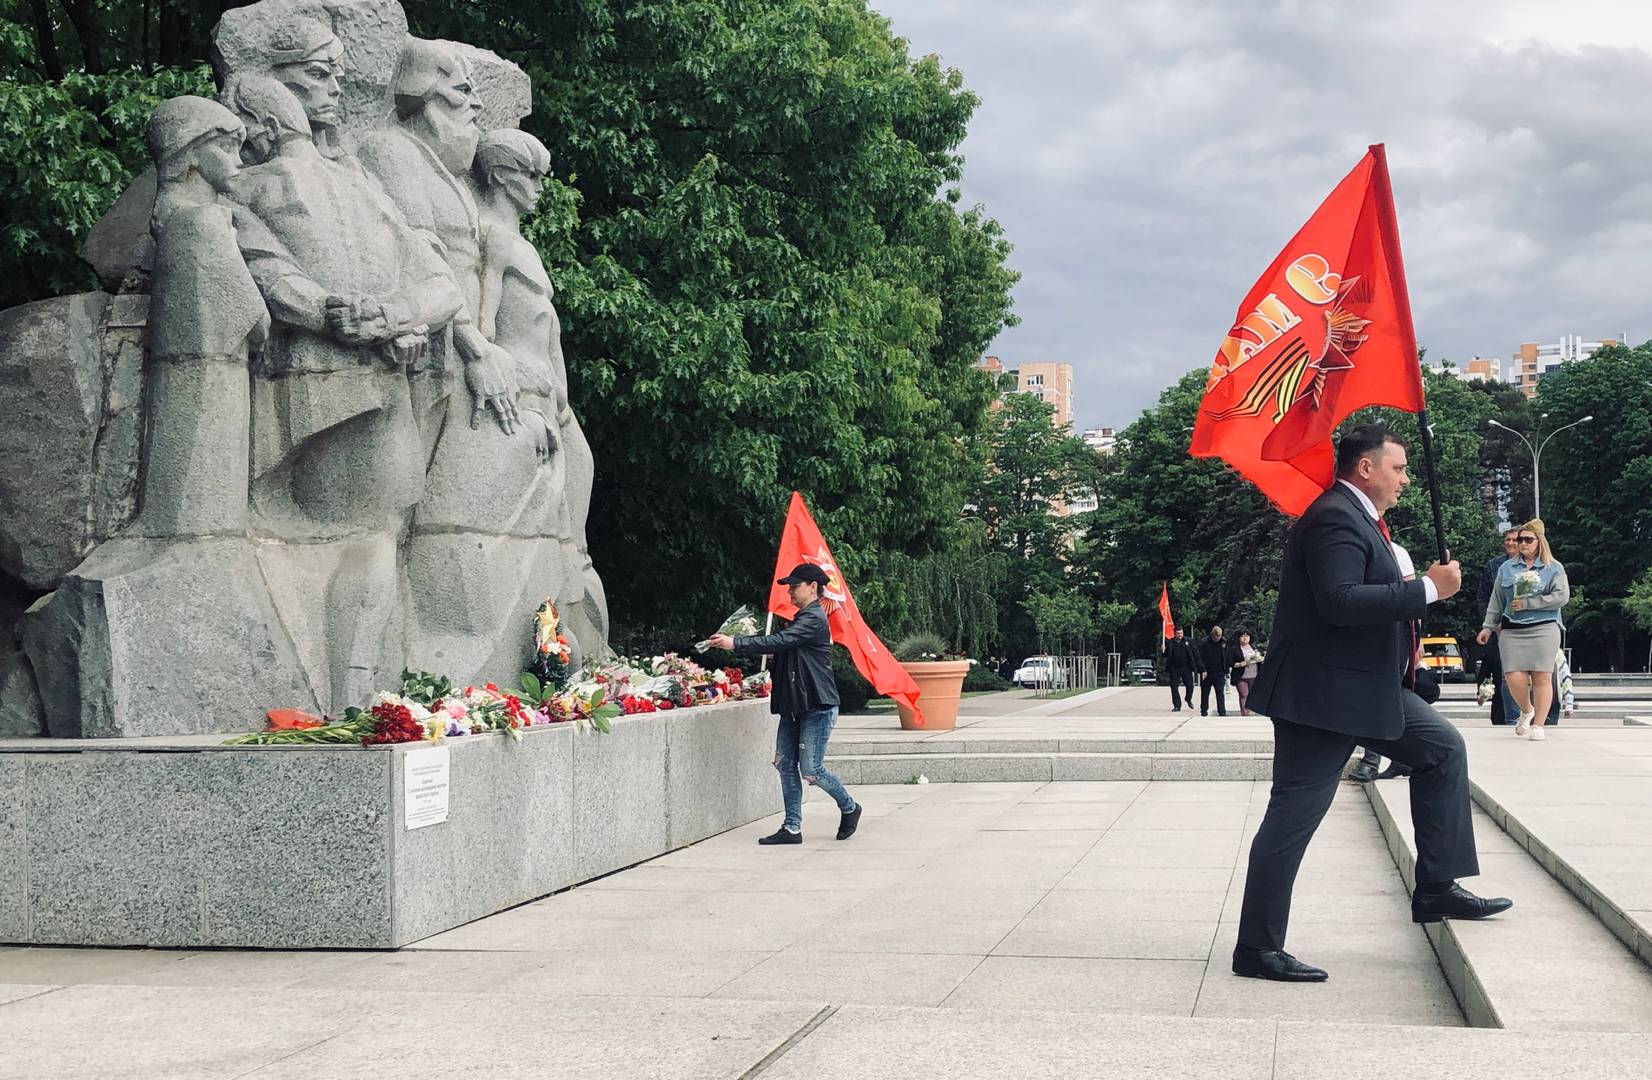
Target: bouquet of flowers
(743, 623)
(551, 653)
(1527, 583)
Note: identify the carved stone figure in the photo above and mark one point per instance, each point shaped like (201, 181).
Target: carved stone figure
(104, 645)
(206, 315)
(323, 431)
(423, 161)
(517, 313)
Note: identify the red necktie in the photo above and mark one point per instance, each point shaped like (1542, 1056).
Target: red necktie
(1410, 626)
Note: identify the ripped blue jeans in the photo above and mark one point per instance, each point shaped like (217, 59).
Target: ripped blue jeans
(800, 754)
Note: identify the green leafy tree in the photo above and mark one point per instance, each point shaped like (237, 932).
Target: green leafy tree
(1033, 467)
(766, 280)
(1597, 491)
(1164, 516)
(1194, 522)
(78, 80)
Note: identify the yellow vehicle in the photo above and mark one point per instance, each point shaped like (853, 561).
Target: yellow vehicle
(1442, 656)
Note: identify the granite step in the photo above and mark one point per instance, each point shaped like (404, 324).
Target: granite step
(944, 767)
(1548, 965)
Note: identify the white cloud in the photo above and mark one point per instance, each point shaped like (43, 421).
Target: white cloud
(1149, 159)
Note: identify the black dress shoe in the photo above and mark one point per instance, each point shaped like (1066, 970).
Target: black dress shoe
(1364, 772)
(781, 836)
(1455, 903)
(849, 823)
(1394, 771)
(1276, 965)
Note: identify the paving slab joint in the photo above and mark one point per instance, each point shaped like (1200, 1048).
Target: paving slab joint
(792, 1040)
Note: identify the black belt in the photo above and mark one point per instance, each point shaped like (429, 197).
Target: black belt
(1506, 625)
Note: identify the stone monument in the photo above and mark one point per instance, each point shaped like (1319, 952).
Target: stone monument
(320, 431)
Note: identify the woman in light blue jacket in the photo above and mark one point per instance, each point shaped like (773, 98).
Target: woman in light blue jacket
(1525, 611)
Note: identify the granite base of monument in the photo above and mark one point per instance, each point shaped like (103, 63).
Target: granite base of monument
(184, 842)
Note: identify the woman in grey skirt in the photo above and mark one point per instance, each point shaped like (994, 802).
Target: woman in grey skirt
(1525, 611)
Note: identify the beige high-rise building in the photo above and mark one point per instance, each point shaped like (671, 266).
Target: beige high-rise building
(1052, 381)
(1532, 361)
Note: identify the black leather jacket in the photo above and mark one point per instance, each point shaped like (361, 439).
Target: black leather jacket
(802, 662)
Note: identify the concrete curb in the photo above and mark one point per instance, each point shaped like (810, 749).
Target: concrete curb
(1478, 1008)
(1627, 927)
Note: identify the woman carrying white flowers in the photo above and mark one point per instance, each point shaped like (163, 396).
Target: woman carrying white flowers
(1524, 609)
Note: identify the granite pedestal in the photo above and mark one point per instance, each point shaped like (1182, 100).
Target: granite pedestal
(185, 842)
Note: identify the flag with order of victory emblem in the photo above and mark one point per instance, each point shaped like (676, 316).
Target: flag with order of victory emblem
(801, 542)
(1325, 331)
(1164, 610)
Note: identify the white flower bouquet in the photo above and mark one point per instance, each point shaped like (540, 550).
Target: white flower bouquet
(743, 623)
(1527, 584)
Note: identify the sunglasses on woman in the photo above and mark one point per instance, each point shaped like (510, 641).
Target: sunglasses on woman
(1528, 540)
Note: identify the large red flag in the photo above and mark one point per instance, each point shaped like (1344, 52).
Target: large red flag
(1164, 610)
(801, 542)
(1325, 331)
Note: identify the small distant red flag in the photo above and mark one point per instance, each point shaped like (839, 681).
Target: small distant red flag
(1164, 610)
(1326, 331)
(800, 542)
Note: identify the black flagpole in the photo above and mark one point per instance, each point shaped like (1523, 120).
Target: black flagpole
(1433, 483)
(1390, 230)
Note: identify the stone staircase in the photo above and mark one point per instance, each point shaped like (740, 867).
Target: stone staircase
(1564, 827)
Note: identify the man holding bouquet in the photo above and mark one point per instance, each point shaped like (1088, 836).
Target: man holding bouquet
(805, 698)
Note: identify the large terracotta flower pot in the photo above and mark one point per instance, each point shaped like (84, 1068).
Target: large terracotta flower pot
(940, 685)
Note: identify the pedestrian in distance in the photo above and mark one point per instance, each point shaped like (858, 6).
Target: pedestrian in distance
(1181, 662)
(1245, 667)
(805, 698)
(1524, 611)
(1503, 709)
(1215, 662)
(1335, 679)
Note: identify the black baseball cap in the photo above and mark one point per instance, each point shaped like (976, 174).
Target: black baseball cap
(804, 571)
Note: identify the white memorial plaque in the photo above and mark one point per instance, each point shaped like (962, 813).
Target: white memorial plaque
(425, 778)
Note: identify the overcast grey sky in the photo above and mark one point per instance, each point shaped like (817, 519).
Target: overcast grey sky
(1149, 159)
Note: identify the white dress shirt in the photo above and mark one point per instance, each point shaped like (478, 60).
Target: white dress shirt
(1408, 569)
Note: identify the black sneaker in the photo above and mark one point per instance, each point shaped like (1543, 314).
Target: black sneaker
(851, 821)
(782, 835)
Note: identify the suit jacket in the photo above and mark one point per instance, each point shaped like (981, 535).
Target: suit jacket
(1180, 657)
(1340, 641)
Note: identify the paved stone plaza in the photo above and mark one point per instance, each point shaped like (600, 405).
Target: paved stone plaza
(1013, 928)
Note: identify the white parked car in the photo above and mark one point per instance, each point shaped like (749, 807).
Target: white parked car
(1039, 671)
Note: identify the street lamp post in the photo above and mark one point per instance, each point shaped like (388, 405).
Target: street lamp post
(1537, 454)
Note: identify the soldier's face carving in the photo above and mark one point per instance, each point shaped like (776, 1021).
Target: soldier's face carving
(521, 186)
(219, 159)
(314, 81)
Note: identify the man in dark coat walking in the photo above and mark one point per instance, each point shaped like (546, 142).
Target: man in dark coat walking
(1216, 659)
(806, 699)
(1341, 642)
(1180, 663)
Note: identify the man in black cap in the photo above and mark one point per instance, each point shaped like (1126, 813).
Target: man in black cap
(805, 697)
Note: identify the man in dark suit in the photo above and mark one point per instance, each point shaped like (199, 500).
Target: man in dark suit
(1215, 665)
(1340, 644)
(1180, 661)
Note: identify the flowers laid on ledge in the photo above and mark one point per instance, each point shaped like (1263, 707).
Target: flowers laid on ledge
(429, 707)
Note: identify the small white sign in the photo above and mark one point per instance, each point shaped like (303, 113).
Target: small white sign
(425, 778)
